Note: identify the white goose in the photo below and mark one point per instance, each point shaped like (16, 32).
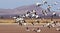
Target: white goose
(39, 4)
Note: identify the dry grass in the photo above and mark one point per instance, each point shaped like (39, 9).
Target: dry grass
(27, 20)
(7, 21)
(41, 20)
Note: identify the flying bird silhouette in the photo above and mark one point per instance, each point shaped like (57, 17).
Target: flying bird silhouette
(39, 4)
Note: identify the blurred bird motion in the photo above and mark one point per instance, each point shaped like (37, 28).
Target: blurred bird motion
(44, 12)
(39, 4)
(44, 1)
(55, 3)
(48, 8)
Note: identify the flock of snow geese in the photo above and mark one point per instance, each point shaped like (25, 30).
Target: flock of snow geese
(33, 14)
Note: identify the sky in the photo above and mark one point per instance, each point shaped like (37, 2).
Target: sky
(10, 4)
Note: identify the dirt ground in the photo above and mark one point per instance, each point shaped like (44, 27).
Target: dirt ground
(15, 28)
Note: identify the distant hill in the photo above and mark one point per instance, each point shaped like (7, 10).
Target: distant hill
(23, 10)
(20, 10)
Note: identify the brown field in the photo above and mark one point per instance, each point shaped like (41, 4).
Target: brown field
(41, 20)
(7, 20)
(8, 26)
(28, 20)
